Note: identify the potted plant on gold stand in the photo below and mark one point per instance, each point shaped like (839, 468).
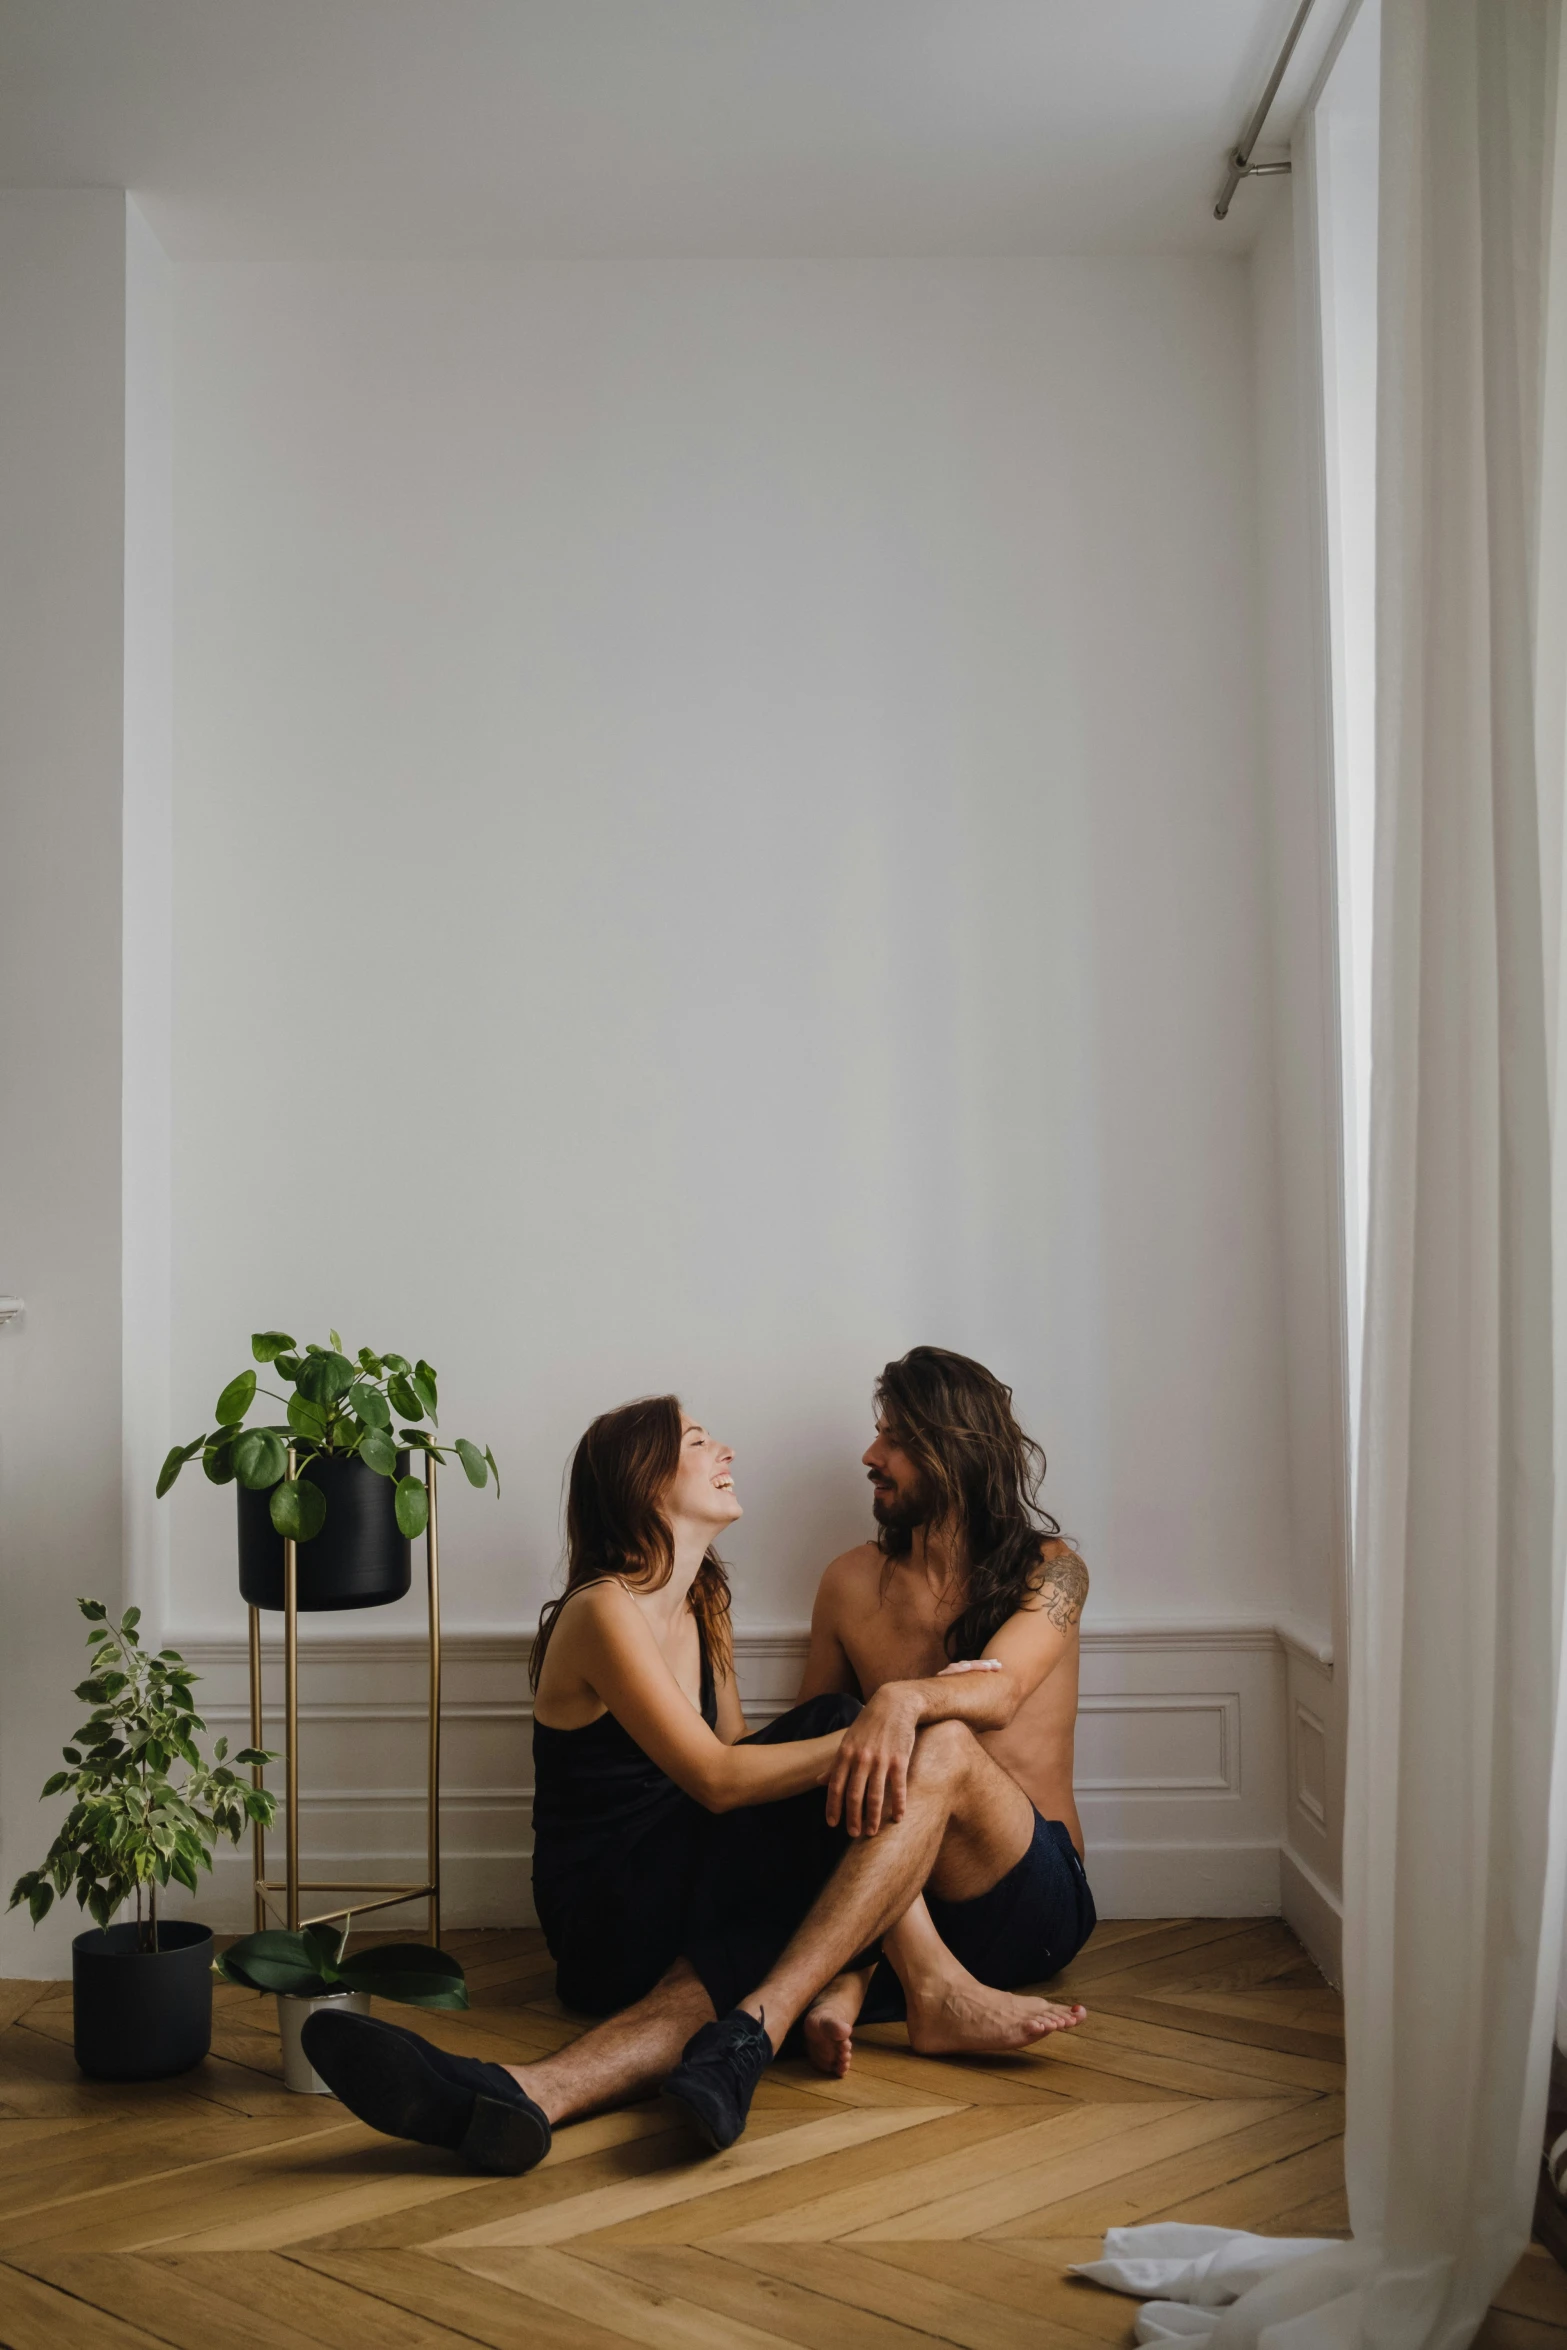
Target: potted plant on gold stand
(348, 1500)
(142, 1990)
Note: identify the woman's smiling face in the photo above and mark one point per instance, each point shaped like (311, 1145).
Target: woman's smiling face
(702, 1492)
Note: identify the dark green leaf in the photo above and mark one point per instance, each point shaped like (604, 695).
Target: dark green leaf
(298, 1508)
(413, 1507)
(411, 1958)
(371, 1406)
(323, 1377)
(472, 1460)
(494, 1471)
(424, 1389)
(397, 1363)
(72, 1756)
(378, 1452)
(130, 1619)
(260, 1459)
(53, 1784)
(41, 1900)
(287, 1367)
(370, 1361)
(426, 1372)
(306, 1418)
(218, 1463)
(272, 1961)
(93, 1609)
(419, 1436)
(267, 1345)
(237, 1397)
(174, 1462)
(404, 1398)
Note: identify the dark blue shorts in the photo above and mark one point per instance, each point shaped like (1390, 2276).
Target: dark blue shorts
(1024, 1930)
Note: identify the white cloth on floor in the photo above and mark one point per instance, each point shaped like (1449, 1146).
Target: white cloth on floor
(1186, 2276)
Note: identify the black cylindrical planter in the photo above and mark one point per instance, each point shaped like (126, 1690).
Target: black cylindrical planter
(141, 2015)
(359, 1558)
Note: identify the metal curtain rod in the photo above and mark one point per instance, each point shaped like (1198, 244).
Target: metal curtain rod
(1241, 166)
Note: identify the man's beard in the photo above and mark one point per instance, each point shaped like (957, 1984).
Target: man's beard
(903, 1512)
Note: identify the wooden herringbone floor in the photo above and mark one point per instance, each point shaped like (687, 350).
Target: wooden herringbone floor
(918, 2201)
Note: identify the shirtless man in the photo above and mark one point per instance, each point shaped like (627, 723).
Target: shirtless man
(965, 1608)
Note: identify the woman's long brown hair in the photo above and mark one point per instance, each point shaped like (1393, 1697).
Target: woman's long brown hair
(616, 1527)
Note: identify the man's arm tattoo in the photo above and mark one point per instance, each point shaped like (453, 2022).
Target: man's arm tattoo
(1064, 1590)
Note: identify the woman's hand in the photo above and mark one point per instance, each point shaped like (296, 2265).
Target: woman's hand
(867, 1787)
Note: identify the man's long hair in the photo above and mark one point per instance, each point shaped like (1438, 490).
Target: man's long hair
(616, 1527)
(979, 1474)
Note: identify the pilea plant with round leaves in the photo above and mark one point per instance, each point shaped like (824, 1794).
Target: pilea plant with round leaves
(338, 1408)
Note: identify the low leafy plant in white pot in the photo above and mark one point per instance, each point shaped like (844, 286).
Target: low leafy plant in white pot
(142, 1989)
(310, 1968)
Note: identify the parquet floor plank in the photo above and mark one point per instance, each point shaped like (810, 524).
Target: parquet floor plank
(1137, 2195)
(987, 2209)
(1181, 2038)
(1265, 2198)
(987, 2272)
(620, 2305)
(486, 2312)
(913, 2185)
(694, 2178)
(918, 2201)
(696, 2221)
(180, 2311)
(318, 2309)
(38, 2317)
(1537, 2288)
(1209, 2012)
(788, 2304)
(912, 2304)
(563, 2177)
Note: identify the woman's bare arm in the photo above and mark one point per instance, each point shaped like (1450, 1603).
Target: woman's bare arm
(613, 1652)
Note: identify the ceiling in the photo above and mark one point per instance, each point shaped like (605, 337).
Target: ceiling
(280, 129)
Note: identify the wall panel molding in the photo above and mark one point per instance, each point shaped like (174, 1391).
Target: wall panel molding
(1182, 1763)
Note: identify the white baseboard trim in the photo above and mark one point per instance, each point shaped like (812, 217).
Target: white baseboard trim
(1314, 1912)
(1184, 1880)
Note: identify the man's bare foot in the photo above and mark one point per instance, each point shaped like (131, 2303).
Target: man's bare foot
(960, 2017)
(828, 2026)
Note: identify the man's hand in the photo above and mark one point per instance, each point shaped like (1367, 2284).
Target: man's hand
(868, 1787)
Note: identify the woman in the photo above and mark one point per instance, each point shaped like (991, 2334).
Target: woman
(660, 1829)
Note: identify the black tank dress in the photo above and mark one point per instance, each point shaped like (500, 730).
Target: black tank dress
(630, 1873)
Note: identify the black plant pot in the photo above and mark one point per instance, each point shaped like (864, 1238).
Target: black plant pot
(359, 1558)
(141, 2015)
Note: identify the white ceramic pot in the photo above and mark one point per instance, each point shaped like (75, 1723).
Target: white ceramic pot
(298, 2071)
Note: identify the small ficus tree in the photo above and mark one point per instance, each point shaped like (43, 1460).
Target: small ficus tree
(130, 1828)
(338, 1407)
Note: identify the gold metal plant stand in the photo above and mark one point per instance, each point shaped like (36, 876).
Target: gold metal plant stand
(291, 1886)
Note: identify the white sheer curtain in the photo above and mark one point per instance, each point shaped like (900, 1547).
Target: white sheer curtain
(1457, 1829)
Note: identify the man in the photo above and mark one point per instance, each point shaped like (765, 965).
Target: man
(966, 1609)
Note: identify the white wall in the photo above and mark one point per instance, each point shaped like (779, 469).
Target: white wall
(718, 834)
(62, 424)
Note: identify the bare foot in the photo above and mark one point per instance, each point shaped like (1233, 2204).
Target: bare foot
(960, 2017)
(828, 2027)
